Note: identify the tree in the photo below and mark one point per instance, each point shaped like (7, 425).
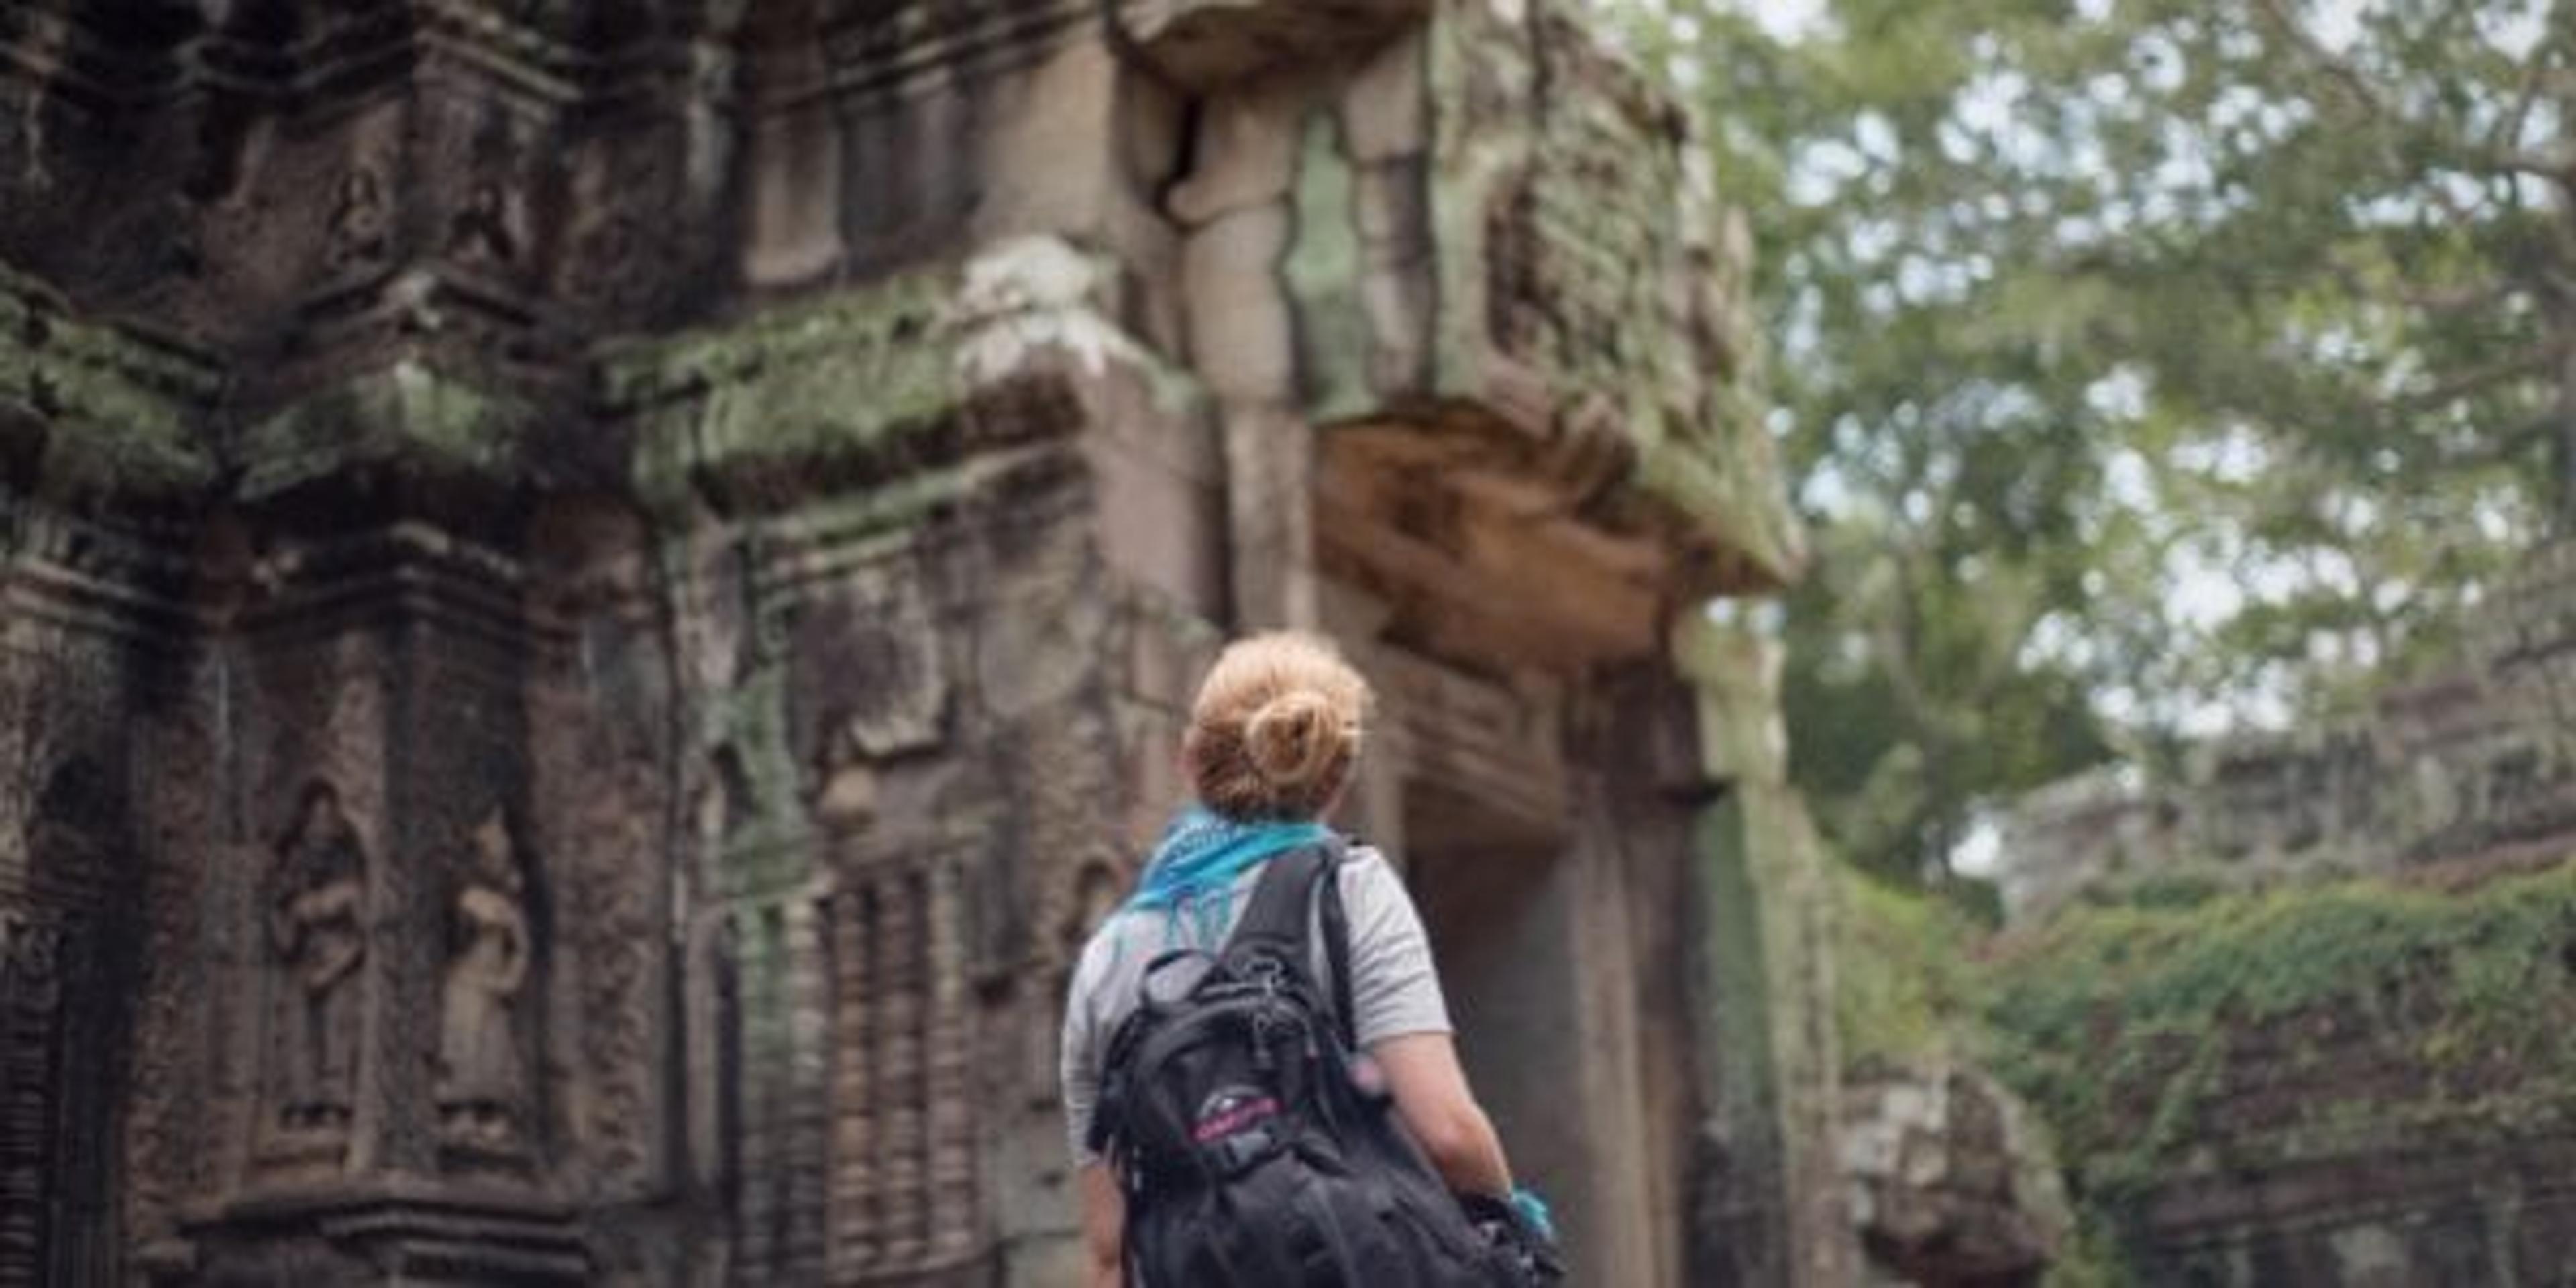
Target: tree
(2146, 362)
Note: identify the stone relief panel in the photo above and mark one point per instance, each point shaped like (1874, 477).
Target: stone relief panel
(317, 929)
(600, 725)
(483, 1087)
(68, 870)
(903, 1197)
(773, 1026)
(868, 666)
(31, 999)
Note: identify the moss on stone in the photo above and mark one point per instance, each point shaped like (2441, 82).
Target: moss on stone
(1592, 179)
(408, 416)
(751, 720)
(1762, 968)
(2129, 1026)
(1474, 56)
(1322, 273)
(867, 373)
(1741, 507)
(796, 384)
(109, 411)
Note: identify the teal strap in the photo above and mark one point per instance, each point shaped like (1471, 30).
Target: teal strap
(1533, 1209)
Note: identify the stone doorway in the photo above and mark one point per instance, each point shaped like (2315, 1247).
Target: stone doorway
(1492, 892)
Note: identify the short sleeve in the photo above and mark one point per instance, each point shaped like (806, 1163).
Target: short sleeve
(1395, 987)
(1078, 1059)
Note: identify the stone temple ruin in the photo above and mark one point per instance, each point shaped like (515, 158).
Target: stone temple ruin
(599, 593)
(2354, 1139)
(2469, 768)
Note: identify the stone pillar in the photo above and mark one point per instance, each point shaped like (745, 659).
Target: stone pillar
(391, 910)
(1768, 1205)
(1242, 339)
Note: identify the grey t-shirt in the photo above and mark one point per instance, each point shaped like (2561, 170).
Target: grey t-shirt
(1395, 990)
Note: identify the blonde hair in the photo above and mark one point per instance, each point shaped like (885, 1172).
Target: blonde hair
(1276, 727)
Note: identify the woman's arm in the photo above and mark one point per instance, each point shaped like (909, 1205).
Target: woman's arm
(1432, 1098)
(1104, 1226)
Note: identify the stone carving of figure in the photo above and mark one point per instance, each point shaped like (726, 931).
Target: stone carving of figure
(486, 230)
(315, 922)
(361, 220)
(481, 1076)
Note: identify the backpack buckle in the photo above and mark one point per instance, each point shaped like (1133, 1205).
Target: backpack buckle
(1244, 1150)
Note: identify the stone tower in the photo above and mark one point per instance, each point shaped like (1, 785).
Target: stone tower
(598, 593)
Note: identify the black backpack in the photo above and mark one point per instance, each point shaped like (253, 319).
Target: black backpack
(1250, 1156)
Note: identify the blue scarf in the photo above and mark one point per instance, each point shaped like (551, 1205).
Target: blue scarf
(1200, 855)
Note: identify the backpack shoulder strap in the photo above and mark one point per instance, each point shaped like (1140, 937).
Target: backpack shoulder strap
(1282, 900)
(1296, 890)
(1337, 941)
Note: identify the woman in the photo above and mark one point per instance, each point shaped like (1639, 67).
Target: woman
(1271, 745)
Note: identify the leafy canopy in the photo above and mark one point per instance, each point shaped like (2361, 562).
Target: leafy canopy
(2149, 365)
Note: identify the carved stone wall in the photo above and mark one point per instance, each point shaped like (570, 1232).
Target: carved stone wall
(597, 597)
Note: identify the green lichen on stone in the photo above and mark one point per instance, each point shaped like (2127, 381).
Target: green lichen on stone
(1322, 274)
(762, 992)
(1742, 508)
(1762, 919)
(1574, 245)
(829, 380)
(408, 416)
(1732, 1005)
(1736, 675)
(1473, 57)
(2128, 1025)
(866, 375)
(110, 411)
(884, 517)
(750, 720)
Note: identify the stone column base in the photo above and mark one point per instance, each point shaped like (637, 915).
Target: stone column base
(360, 1234)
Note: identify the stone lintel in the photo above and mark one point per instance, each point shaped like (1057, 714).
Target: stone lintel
(1201, 45)
(1011, 347)
(1507, 546)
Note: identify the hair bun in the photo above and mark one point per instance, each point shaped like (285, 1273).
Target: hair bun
(1291, 740)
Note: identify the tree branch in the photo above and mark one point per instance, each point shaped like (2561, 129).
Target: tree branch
(2508, 133)
(2458, 300)
(2527, 362)
(2351, 77)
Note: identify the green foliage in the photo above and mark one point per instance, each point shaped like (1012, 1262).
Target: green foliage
(2091, 1258)
(2396, 1012)
(1903, 986)
(2141, 359)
